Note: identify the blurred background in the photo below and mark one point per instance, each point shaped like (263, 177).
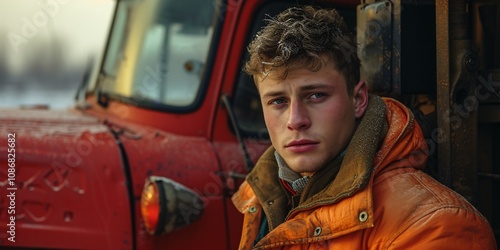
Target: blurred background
(46, 46)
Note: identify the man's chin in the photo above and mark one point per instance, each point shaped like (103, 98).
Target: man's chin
(304, 166)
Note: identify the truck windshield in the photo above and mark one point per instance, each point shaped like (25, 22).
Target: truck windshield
(157, 52)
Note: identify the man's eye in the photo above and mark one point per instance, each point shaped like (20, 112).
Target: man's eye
(317, 95)
(277, 101)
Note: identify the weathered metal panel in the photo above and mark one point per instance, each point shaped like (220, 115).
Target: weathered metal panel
(456, 102)
(70, 189)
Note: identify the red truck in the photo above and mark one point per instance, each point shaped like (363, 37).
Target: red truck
(156, 144)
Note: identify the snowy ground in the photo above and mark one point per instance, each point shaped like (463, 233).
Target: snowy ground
(15, 94)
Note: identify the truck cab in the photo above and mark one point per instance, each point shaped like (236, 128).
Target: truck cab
(165, 133)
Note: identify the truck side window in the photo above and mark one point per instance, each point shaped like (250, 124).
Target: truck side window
(167, 47)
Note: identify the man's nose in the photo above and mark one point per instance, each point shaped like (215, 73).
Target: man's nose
(298, 116)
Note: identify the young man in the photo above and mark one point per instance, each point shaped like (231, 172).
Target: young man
(345, 168)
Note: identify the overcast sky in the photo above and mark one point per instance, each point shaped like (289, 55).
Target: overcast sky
(82, 22)
(41, 32)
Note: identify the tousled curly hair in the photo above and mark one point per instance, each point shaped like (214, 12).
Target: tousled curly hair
(299, 37)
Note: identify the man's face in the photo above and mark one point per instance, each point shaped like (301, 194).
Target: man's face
(309, 115)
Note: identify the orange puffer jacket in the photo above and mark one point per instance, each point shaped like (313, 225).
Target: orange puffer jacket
(378, 200)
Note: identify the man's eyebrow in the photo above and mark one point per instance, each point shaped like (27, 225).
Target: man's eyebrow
(273, 93)
(314, 86)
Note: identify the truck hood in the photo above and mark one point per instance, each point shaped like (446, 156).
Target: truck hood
(71, 189)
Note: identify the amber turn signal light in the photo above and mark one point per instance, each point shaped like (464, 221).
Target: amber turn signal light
(150, 206)
(167, 205)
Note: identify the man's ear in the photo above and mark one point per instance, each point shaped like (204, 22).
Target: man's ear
(360, 98)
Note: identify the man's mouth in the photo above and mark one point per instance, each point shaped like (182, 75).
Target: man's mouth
(301, 146)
